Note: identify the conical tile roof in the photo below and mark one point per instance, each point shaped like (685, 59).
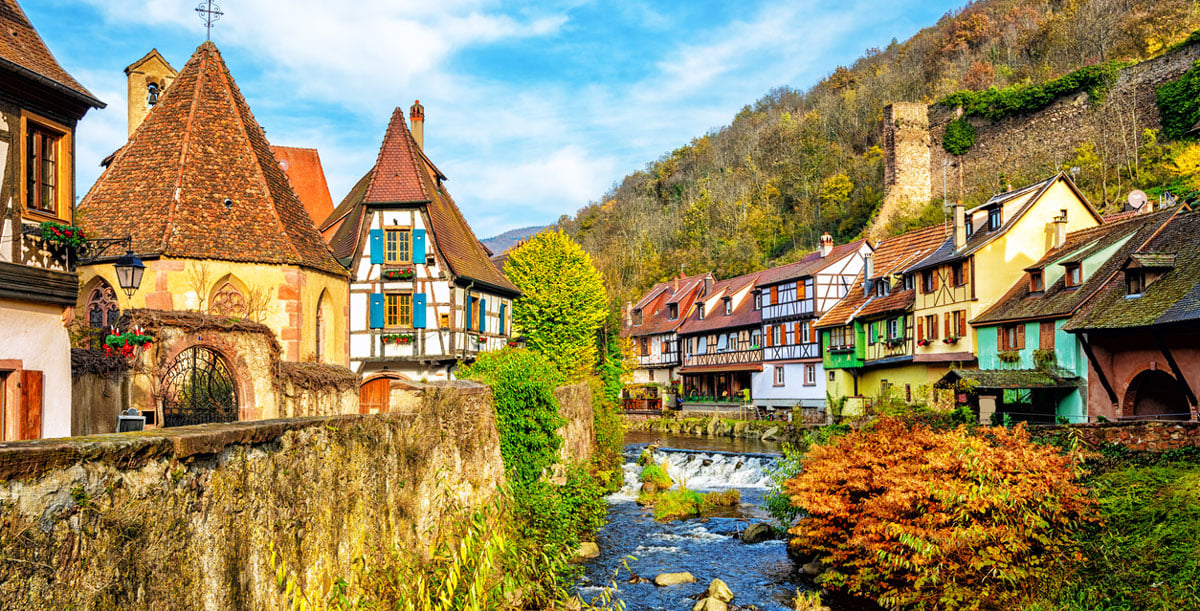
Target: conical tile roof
(198, 180)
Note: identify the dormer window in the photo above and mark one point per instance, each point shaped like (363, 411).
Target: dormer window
(637, 317)
(909, 282)
(882, 288)
(700, 311)
(994, 218)
(757, 300)
(1135, 282)
(969, 223)
(728, 306)
(672, 311)
(1073, 276)
(1036, 282)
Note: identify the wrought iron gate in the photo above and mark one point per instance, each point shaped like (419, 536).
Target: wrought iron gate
(199, 388)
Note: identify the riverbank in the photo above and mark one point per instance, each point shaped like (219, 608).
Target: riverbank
(771, 431)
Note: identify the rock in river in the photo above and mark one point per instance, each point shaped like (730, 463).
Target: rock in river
(813, 568)
(710, 604)
(757, 533)
(587, 551)
(719, 590)
(674, 579)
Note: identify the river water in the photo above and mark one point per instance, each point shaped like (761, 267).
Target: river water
(633, 545)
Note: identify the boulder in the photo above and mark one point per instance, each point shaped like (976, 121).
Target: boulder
(757, 533)
(813, 568)
(771, 434)
(587, 551)
(719, 590)
(674, 579)
(710, 604)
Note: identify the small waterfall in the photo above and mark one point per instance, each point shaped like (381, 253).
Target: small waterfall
(703, 470)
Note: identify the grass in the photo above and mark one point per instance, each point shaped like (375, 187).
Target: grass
(656, 476)
(682, 503)
(1146, 553)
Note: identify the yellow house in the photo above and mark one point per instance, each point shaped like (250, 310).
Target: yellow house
(206, 206)
(987, 252)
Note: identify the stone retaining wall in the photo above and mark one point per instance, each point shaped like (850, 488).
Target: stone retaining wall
(1137, 436)
(766, 430)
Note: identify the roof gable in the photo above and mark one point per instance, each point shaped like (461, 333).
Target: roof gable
(303, 169)
(198, 180)
(23, 48)
(397, 176)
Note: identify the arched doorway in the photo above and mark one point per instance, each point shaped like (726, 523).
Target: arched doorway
(373, 396)
(1156, 393)
(199, 388)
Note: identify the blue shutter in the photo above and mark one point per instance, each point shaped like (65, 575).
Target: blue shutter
(419, 311)
(418, 246)
(482, 314)
(376, 310)
(469, 312)
(376, 246)
(503, 311)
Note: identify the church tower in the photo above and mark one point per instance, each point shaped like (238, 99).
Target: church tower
(148, 78)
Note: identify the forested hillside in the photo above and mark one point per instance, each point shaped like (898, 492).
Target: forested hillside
(795, 164)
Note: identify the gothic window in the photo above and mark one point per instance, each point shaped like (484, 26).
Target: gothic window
(228, 301)
(102, 307)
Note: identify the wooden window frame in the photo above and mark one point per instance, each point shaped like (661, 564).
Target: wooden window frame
(637, 317)
(672, 311)
(810, 374)
(396, 259)
(931, 327)
(1037, 282)
(64, 191)
(1135, 279)
(927, 286)
(1070, 282)
(645, 346)
(995, 218)
(728, 306)
(780, 376)
(399, 322)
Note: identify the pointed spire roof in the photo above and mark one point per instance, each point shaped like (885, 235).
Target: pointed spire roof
(198, 180)
(403, 175)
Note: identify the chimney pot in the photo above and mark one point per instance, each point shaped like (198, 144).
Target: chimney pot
(868, 273)
(960, 226)
(826, 244)
(417, 115)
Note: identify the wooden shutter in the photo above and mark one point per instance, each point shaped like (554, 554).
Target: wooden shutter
(470, 313)
(966, 275)
(1046, 336)
(377, 311)
(418, 246)
(800, 290)
(812, 332)
(1000, 338)
(774, 295)
(30, 421)
(1021, 336)
(418, 313)
(504, 320)
(920, 329)
(937, 277)
(796, 332)
(769, 332)
(946, 323)
(376, 243)
(962, 322)
(482, 315)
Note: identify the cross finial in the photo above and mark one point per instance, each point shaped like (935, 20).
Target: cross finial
(210, 13)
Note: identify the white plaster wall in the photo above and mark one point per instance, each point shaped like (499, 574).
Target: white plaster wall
(34, 334)
(764, 391)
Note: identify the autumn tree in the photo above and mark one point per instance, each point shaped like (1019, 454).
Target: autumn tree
(563, 302)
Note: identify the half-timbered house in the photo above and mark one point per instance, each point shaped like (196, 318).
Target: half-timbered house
(721, 341)
(40, 105)
(652, 325)
(424, 295)
(791, 299)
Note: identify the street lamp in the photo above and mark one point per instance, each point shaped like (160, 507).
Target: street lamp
(129, 272)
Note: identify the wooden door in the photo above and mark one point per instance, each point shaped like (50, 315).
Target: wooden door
(30, 420)
(373, 396)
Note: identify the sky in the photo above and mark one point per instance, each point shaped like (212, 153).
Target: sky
(532, 109)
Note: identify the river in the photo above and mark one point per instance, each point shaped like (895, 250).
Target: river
(761, 575)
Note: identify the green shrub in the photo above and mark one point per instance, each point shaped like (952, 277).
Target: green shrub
(678, 504)
(558, 517)
(776, 501)
(1025, 98)
(656, 476)
(959, 137)
(725, 498)
(527, 417)
(1179, 103)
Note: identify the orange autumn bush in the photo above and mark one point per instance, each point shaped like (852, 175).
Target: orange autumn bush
(957, 519)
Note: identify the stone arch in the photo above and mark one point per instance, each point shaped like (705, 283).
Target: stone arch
(228, 297)
(1156, 393)
(101, 306)
(199, 387)
(325, 327)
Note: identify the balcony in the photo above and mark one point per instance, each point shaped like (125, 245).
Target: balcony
(431, 344)
(728, 357)
(663, 359)
(792, 352)
(787, 309)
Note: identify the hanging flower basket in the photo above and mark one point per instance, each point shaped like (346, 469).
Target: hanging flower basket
(128, 343)
(480, 339)
(951, 340)
(399, 338)
(403, 273)
(58, 233)
(893, 342)
(923, 342)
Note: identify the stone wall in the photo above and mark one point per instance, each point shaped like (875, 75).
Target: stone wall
(579, 434)
(187, 518)
(1022, 148)
(1138, 436)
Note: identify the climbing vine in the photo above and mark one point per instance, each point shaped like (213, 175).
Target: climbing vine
(959, 137)
(1025, 98)
(1179, 103)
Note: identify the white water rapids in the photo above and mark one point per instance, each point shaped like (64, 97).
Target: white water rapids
(703, 471)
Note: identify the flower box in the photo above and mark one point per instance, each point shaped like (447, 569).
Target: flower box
(403, 273)
(398, 338)
(893, 342)
(923, 342)
(126, 344)
(58, 233)
(480, 339)
(951, 340)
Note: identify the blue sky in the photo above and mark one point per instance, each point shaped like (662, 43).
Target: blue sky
(532, 109)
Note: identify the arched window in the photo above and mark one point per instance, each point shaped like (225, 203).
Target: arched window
(102, 307)
(325, 327)
(227, 301)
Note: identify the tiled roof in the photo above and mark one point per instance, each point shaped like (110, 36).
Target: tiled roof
(981, 236)
(1172, 298)
(402, 174)
(1058, 301)
(302, 166)
(199, 148)
(23, 49)
(743, 315)
(1153, 259)
(890, 257)
(1008, 378)
(655, 313)
(810, 264)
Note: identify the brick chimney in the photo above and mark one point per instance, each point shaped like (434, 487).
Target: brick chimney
(627, 315)
(826, 244)
(417, 115)
(960, 226)
(1060, 229)
(708, 284)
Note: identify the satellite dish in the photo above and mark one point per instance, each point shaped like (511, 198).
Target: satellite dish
(1137, 199)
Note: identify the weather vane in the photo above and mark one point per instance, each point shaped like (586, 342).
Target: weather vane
(210, 13)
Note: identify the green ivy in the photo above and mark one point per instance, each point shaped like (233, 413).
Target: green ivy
(1024, 98)
(1179, 103)
(959, 137)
